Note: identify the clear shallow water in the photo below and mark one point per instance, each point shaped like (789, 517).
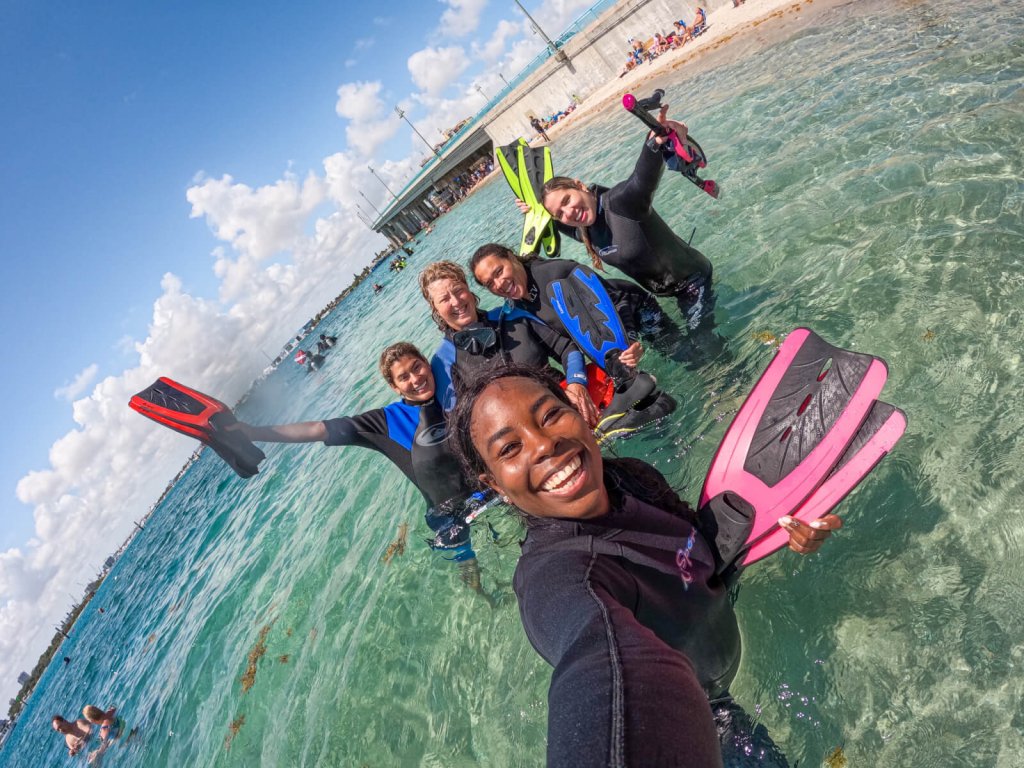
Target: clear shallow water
(871, 160)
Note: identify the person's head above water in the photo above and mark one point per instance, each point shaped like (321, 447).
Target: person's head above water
(407, 371)
(569, 201)
(93, 714)
(444, 286)
(516, 432)
(500, 271)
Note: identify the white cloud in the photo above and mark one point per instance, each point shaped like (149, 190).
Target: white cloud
(363, 43)
(359, 101)
(77, 385)
(461, 17)
(370, 122)
(434, 69)
(495, 47)
(257, 222)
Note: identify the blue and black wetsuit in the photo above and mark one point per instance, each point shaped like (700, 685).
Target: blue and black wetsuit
(630, 235)
(519, 337)
(628, 609)
(414, 436)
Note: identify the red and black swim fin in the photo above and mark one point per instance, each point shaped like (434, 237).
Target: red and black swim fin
(200, 416)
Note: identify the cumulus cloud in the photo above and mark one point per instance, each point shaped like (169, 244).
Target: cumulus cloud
(461, 17)
(495, 47)
(371, 123)
(78, 385)
(434, 69)
(257, 222)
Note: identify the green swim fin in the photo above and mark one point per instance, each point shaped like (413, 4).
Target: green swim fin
(509, 164)
(526, 169)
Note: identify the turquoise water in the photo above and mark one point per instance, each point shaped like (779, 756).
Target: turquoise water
(871, 159)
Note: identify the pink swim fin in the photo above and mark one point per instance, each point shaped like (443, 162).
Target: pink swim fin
(807, 434)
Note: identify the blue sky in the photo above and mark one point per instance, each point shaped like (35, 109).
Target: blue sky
(176, 177)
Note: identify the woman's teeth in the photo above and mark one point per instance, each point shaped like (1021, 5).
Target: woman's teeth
(562, 476)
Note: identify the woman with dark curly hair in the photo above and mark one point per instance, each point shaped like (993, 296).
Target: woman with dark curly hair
(619, 588)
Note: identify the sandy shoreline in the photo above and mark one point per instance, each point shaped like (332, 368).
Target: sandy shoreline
(724, 24)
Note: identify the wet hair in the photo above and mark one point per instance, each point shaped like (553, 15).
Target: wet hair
(93, 714)
(621, 476)
(57, 717)
(442, 270)
(564, 182)
(499, 251)
(392, 354)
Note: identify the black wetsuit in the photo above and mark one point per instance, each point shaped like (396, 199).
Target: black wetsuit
(519, 338)
(630, 235)
(415, 438)
(626, 608)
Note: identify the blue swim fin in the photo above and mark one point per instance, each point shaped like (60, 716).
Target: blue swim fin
(588, 315)
(807, 434)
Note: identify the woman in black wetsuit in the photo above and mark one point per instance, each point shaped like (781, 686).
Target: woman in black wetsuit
(620, 226)
(618, 588)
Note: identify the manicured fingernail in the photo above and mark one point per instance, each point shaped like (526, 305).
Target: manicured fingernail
(818, 524)
(785, 521)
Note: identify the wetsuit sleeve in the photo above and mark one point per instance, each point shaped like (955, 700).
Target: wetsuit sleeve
(564, 349)
(635, 196)
(354, 430)
(619, 695)
(441, 365)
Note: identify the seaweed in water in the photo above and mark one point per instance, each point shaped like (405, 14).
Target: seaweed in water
(233, 729)
(255, 654)
(836, 759)
(767, 338)
(396, 547)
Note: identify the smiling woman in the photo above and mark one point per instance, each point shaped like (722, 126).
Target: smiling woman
(411, 432)
(618, 587)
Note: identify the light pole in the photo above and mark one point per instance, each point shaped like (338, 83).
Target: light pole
(559, 55)
(401, 114)
(367, 202)
(481, 92)
(378, 178)
(504, 80)
(363, 217)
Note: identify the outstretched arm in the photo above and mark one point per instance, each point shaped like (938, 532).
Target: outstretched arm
(301, 432)
(619, 695)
